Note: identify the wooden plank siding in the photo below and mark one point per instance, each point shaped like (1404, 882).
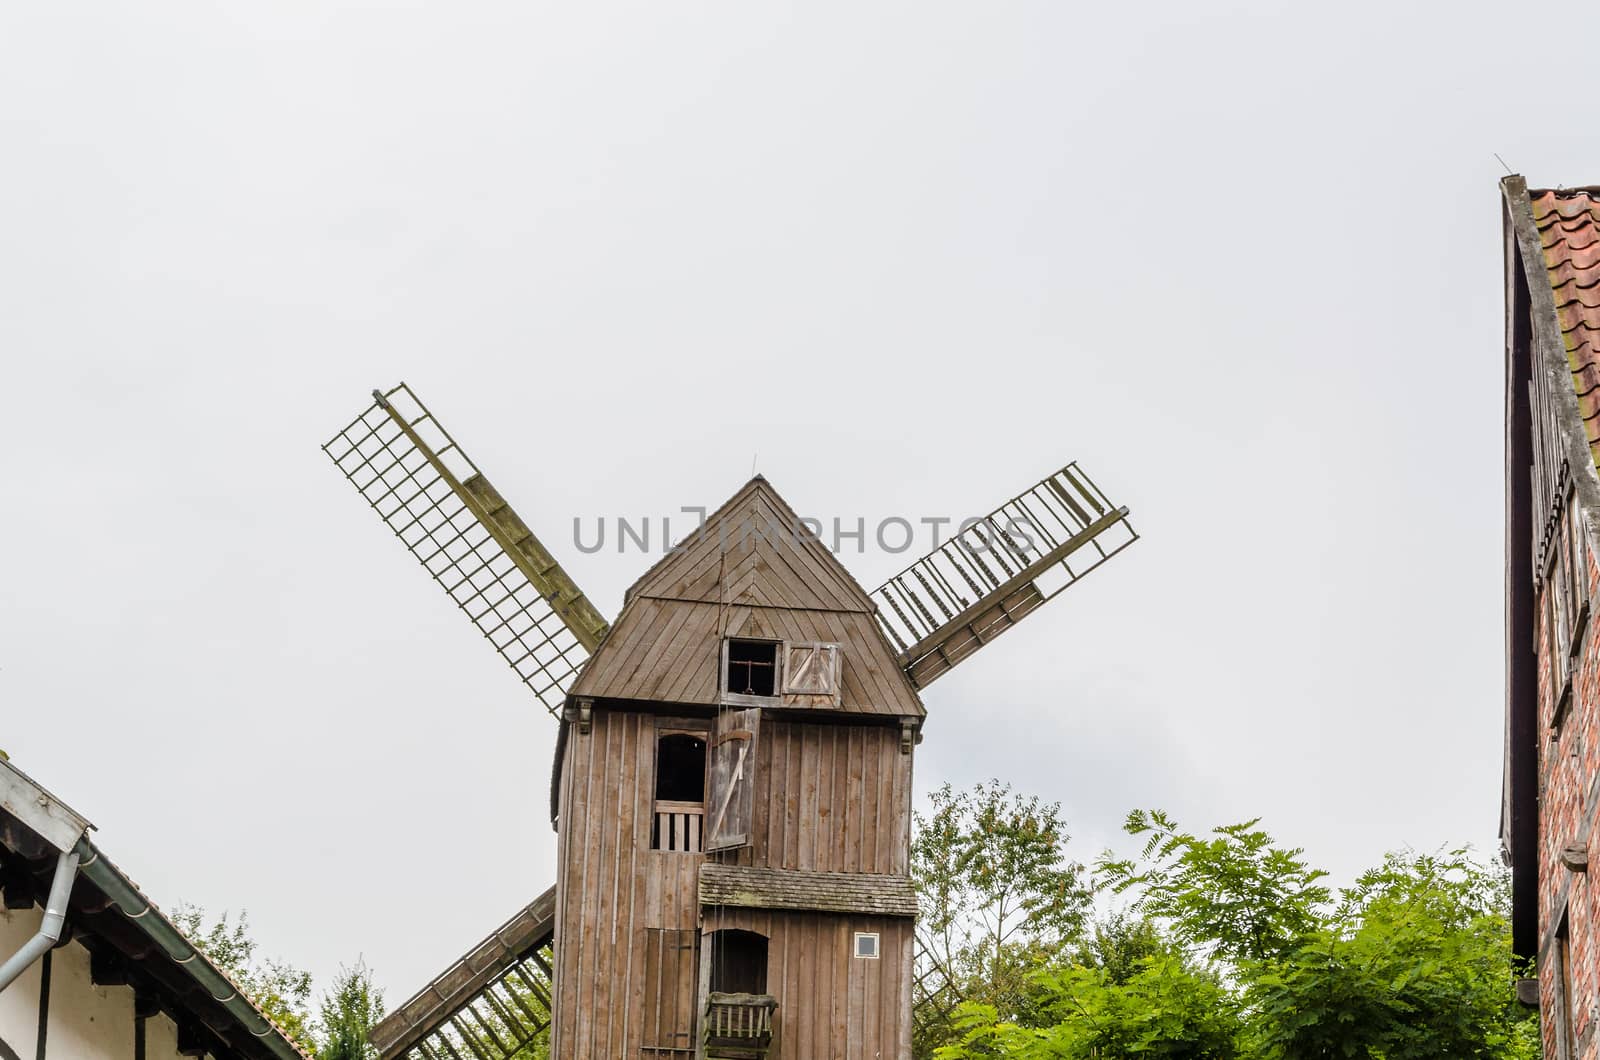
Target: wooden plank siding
(611, 887)
(828, 798)
(831, 1004)
(813, 785)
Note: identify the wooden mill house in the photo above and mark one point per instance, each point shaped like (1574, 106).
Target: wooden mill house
(732, 778)
(734, 808)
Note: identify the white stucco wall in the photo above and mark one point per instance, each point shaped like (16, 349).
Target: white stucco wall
(87, 1022)
(19, 1002)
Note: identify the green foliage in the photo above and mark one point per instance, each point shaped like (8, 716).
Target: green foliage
(1117, 944)
(998, 897)
(1164, 1009)
(1414, 963)
(279, 989)
(1236, 895)
(348, 1013)
(1234, 949)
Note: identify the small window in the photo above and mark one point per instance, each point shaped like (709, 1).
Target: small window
(680, 793)
(752, 668)
(681, 768)
(867, 945)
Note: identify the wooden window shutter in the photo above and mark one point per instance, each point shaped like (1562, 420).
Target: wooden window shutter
(733, 767)
(811, 674)
(671, 985)
(1577, 564)
(1556, 630)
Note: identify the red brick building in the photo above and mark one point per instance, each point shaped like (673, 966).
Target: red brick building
(1552, 764)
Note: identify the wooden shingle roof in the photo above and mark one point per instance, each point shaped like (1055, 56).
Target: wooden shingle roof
(747, 572)
(865, 893)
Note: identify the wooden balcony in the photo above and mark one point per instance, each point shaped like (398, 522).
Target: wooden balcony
(739, 1026)
(677, 826)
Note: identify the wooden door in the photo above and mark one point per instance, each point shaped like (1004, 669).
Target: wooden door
(671, 989)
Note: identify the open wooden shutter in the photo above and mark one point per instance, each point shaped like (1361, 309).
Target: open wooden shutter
(811, 675)
(733, 763)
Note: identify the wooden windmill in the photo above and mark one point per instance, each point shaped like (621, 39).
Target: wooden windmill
(732, 781)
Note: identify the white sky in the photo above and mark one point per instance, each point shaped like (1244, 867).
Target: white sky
(909, 257)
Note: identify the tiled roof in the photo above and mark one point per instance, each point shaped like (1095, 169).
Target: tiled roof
(1569, 231)
(107, 909)
(151, 914)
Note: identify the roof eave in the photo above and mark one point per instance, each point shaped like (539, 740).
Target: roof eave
(1519, 817)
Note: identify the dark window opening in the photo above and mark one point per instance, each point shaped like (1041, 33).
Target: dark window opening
(738, 962)
(752, 667)
(680, 793)
(681, 768)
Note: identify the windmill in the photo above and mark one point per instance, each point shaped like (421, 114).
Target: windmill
(733, 770)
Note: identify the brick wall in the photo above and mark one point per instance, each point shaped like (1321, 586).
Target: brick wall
(1569, 767)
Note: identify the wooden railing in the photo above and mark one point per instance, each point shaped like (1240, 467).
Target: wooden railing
(678, 826)
(739, 1025)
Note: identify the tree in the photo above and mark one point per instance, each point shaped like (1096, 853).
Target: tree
(1117, 943)
(998, 897)
(279, 989)
(348, 1013)
(1235, 949)
(1414, 963)
(1165, 1008)
(1236, 896)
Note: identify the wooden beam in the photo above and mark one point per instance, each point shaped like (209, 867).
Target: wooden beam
(17, 884)
(107, 968)
(194, 1040)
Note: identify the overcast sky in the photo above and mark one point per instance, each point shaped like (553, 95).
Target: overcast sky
(904, 258)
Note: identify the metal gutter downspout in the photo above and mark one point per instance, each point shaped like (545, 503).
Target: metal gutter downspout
(55, 917)
(63, 828)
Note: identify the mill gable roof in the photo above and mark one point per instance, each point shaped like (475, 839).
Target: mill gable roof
(749, 571)
(755, 550)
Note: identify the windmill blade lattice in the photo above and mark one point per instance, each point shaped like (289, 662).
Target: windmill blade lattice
(997, 570)
(430, 493)
(492, 1004)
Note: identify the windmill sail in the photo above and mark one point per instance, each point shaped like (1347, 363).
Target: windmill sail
(440, 505)
(492, 1004)
(998, 570)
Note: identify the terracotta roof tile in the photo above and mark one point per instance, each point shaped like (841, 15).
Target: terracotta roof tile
(1569, 231)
